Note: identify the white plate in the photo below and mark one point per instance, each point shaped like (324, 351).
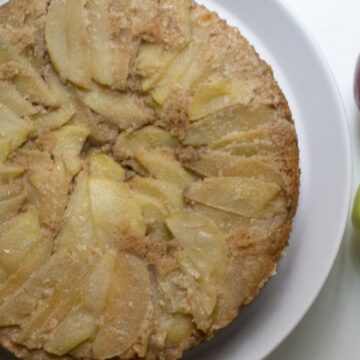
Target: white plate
(325, 181)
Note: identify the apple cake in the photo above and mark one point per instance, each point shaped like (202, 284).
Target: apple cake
(148, 177)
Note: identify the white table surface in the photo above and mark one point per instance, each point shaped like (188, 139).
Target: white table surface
(331, 329)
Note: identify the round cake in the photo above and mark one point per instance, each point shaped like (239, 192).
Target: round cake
(149, 175)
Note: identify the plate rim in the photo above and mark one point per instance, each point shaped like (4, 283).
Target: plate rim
(346, 210)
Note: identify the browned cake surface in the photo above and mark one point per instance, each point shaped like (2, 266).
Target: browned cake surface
(149, 175)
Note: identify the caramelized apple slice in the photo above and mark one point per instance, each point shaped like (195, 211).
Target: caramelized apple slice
(226, 121)
(3, 276)
(10, 207)
(183, 69)
(110, 43)
(100, 131)
(177, 327)
(82, 351)
(147, 138)
(76, 328)
(79, 55)
(27, 80)
(28, 158)
(203, 261)
(35, 331)
(78, 228)
(71, 107)
(58, 88)
(260, 134)
(97, 212)
(152, 57)
(56, 34)
(127, 305)
(246, 143)
(223, 164)
(154, 213)
(168, 194)
(82, 323)
(124, 110)
(18, 307)
(202, 241)
(115, 213)
(67, 40)
(201, 292)
(13, 128)
(250, 149)
(210, 97)
(97, 286)
(163, 166)
(5, 149)
(15, 101)
(226, 221)
(243, 196)
(100, 41)
(237, 285)
(17, 239)
(123, 51)
(152, 61)
(52, 120)
(33, 261)
(12, 189)
(9, 172)
(104, 165)
(152, 209)
(69, 141)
